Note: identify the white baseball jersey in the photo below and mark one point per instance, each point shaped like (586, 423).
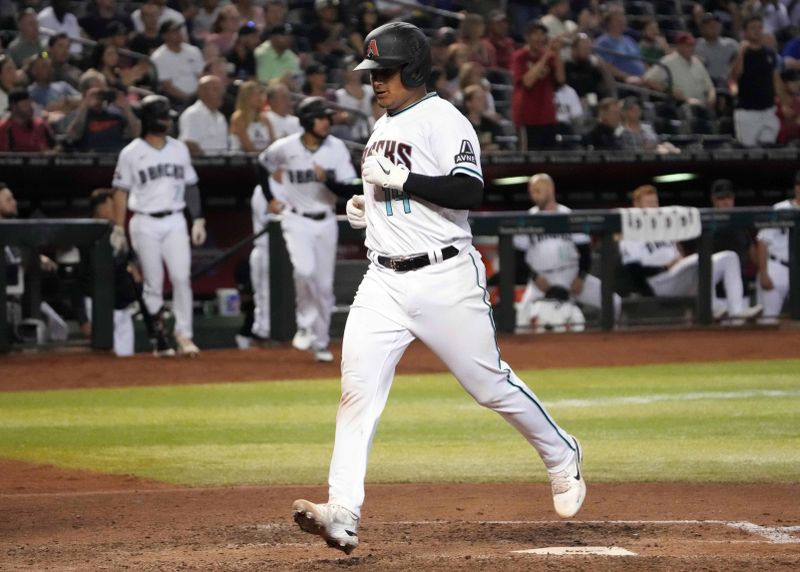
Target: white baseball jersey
(545, 252)
(154, 178)
(261, 216)
(300, 188)
(430, 137)
(777, 239)
(648, 253)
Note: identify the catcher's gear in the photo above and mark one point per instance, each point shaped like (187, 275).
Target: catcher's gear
(398, 45)
(311, 108)
(356, 215)
(156, 113)
(379, 170)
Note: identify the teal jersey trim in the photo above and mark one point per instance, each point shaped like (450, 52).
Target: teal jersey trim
(427, 96)
(531, 398)
(472, 172)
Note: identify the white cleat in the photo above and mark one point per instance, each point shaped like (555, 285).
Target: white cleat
(568, 486)
(323, 355)
(302, 340)
(751, 312)
(186, 347)
(332, 522)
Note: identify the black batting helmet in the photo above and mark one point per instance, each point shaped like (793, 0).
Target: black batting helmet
(311, 108)
(398, 45)
(154, 111)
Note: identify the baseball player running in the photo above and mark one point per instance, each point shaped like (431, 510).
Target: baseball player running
(773, 262)
(155, 180)
(561, 260)
(662, 268)
(421, 172)
(312, 167)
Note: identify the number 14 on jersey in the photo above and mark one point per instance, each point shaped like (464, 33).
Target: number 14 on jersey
(395, 195)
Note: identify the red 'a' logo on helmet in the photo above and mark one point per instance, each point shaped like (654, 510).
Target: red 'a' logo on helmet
(372, 49)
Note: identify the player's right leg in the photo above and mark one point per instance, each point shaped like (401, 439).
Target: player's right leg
(298, 235)
(146, 242)
(178, 258)
(772, 300)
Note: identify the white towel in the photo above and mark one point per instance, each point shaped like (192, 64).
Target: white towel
(663, 223)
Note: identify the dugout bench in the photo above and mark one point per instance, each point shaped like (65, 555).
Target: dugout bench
(33, 235)
(605, 223)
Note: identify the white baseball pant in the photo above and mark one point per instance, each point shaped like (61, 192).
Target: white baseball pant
(772, 300)
(446, 307)
(591, 295)
(159, 241)
(681, 280)
(259, 277)
(124, 336)
(312, 250)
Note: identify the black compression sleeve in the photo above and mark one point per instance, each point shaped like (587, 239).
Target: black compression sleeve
(585, 260)
(449, 191)
(344, 190)
(193, 203)
(263, 179)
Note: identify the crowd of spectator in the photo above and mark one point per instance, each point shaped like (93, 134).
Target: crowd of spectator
(532, 76)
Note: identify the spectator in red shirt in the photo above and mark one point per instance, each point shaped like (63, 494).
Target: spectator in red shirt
(537, 70)
(497, 37)
(21, 132)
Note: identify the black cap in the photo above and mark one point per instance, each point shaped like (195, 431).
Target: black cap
(722, 188)
(315, 67)
(169, 26)
(284, 29)
(116, 28)
(710, 17)
(630, 101)
(247, 29)
(18, 95)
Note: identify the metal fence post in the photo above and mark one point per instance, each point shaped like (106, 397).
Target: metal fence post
(103, 294)
(281, 286)
(4, 342)
(705, 245)
(608, 265)
(506, 313)
(794, 270)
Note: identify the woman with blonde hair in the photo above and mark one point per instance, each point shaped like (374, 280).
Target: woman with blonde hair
(250, 130)
(473, 73)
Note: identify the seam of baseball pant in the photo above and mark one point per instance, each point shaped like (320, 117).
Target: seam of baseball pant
(508, 370)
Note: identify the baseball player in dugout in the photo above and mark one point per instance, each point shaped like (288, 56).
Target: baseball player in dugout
(773, 262)
(556, 261)
(660, 268)
(421, 174)
(156, 181)
(311, 167)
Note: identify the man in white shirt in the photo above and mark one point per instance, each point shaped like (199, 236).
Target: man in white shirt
(165, 14)
(56, 17)
(202, 126)
(178, 64)
(280, 111)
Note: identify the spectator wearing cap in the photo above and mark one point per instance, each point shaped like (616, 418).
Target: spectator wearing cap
(204, 18)
(497, 37)
(716, 51)
(537, 69)
(225, 29)
(605, 134)
(690, 80)
(274, 57)
(250, 11)
(242, 56)
(316, 82)
(8, 80)
(27, 43)
(627, 67)
(280, 111)
(740, 240)
(559, 25)
(178, 64)
(20, 131)
(585, 74)
(202, 126)
(789, 110)
(755, 70)
(148, 39)
(637, 135)
(100, 14)
(58, 18)
(165, 14)
(48, 94)
(63, 70)
(104, 121)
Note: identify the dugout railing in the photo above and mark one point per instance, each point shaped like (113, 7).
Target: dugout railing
(31, 237)
(604, 224)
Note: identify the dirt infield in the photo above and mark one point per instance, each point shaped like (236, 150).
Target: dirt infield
(56, 519)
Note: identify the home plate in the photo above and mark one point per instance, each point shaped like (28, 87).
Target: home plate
(578, 551)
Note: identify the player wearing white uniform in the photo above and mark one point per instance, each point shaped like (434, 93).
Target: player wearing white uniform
(421, 173)
(313, 167)
(155, 180)
(259, 266)
(773, 262)
(560, 260)
(662, 267)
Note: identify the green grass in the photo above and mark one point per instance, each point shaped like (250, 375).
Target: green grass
(689, 422)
